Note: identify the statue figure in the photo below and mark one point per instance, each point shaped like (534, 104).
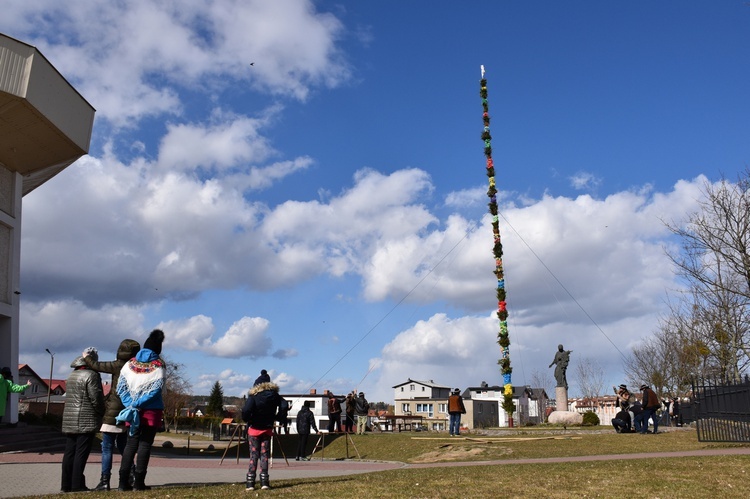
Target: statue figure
(562, 358)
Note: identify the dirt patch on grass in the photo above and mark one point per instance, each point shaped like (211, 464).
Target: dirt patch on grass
(465, 452)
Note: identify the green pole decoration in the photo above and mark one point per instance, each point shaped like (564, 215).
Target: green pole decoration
(502, 312)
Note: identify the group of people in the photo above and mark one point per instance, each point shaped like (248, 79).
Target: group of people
(264, 407)
(128, 418)
(356, 408)
(634, 416)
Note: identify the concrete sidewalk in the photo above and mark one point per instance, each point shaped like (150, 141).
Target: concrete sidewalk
(34, 474)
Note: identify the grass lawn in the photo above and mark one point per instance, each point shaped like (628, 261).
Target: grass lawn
(657, 477)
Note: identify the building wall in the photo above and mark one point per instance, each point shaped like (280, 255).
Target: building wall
(319, 409)
(10, 265)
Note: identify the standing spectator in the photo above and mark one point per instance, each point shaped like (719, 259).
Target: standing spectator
(113, 436)
(676, 417)
(305, 421)
(263, 378)
(7, 387)
(621, 422)
(650, 404)
(636, 414)
(82, 416)
(263, 407)
(666, 412)
(334, 413)
(455, 409)
(350, 406)
(284, 419)
(361, 409)
(140, 389)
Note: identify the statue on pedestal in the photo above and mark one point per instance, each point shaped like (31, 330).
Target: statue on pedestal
(561, 361)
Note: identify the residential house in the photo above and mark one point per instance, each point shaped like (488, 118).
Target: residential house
(484, 406)
(423, 398)
(318, 404)
(538, 404)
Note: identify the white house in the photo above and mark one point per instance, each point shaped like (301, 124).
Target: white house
(426, 399)
(318, 404)
(484, 406)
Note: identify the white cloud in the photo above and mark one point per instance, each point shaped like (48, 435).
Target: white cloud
(129, 58)
(245, 338)
(584, 181)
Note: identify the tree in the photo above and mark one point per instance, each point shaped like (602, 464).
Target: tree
(176, 393)
(589, 375)
(215, 406)
(712, 322)
(543, 380)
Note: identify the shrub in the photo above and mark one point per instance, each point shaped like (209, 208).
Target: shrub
(590, 419)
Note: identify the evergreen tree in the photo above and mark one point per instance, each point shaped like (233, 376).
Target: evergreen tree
(215, 405)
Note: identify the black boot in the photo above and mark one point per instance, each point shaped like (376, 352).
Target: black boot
(250, 484)
(140, 481)
(264, 483)
(103, 482)
(125, 484)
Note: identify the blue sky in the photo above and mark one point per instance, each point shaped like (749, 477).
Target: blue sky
(299, 186)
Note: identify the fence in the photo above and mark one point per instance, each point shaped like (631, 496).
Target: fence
(722, 411)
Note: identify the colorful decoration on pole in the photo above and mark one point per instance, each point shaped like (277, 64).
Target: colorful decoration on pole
(502, 312)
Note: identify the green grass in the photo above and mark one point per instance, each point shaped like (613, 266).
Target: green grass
(647, 477)
(411, 447)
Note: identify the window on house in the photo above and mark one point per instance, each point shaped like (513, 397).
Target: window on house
(402, 388)
(311, 404)
(481, 408)
(423, 388)
(428, 408)
(492, 409)
(443, 408)
(411, 388)
(405, 408)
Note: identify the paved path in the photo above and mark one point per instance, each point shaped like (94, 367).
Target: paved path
(36, 474)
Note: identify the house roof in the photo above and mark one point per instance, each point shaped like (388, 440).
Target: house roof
(517, 390)
(430, 383)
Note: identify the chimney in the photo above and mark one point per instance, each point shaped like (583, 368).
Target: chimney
(313, 391)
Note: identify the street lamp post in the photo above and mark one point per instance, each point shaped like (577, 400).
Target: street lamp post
(49, 385)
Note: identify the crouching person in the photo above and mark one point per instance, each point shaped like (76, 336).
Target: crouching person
(263, 407)
(622, 422)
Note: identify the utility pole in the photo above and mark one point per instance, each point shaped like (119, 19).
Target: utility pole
(49, 384)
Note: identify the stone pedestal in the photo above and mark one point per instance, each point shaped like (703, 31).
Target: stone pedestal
(562, 415)
(561, 398)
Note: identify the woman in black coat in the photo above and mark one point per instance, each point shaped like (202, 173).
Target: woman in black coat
(263, 408)
(305, 421)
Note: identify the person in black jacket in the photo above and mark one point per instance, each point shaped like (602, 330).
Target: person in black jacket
(82, 417)
(305, 421)
(621, 422)
(263, 408)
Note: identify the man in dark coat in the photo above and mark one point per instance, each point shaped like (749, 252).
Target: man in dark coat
(305, 422)
(455, 409)
(650, 404)
(362, 409)
(334, 413)
(82, 417)
(113, 436)
(264, 406)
